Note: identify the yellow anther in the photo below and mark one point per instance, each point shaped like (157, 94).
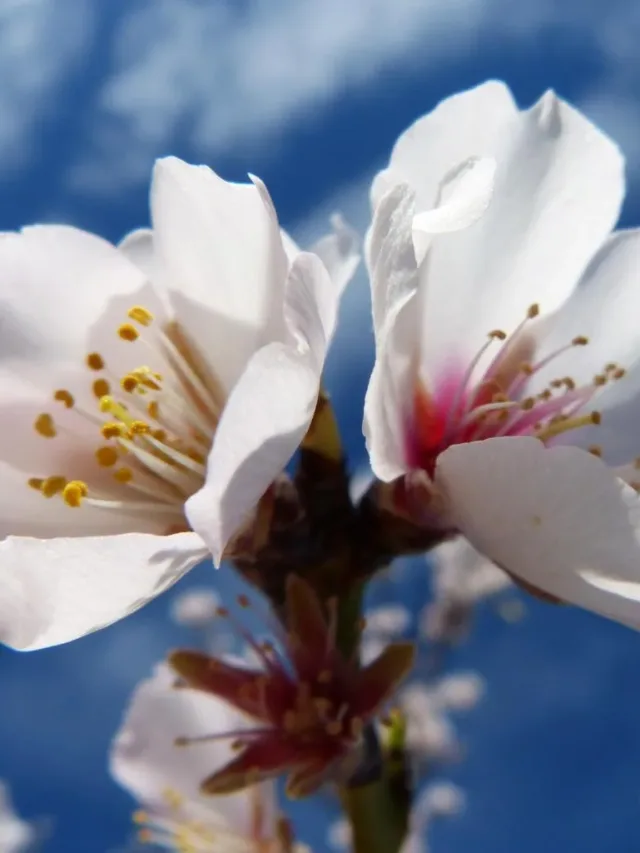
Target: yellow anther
(580, 341)
(596, 418)
(528, 403)
(569, 384)
(498, 335)
(618, 373)
(140, 817)
(145, 836)
(139, 428)
(106, 456)
(334, 728)
(128, 332)
(112, 430)
(129, 383)
(141, 315)
(153, 410)
(107, 404)
(595, 450)
(600, 379)
(526, 368)
(159, 434)
(35, 483)
(53, 486)
(610, 366)
(556, 383)
(545, 395)
(500, 397)
(95, 361)
(64, 396)
(110, 406)
(45, 426)
(101, 388)
(195, 455)
(533, 311)
(123, 475)
(74, 492)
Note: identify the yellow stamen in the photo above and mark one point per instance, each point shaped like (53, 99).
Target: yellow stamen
(140, 816)
(498, 334)
(35, 483)
(129, 383)
(123, 475)
(595, 450)
(580, 341)
(64, 396)
(95, 361)
(74, 492)
(533, 311)
(101, 388)
(128, 332)
(141, 315)
(53, 486)
(139, 428)
(565, 424)
(153, 410)
(45, 426)
(106, 456)
(113, 430)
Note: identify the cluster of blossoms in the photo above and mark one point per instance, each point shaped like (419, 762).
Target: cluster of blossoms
(163, 404)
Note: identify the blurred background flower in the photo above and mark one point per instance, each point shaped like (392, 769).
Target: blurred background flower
(310, 95)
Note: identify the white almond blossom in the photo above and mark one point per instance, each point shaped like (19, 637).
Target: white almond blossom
(505, 314)
(119, 366)
(164, 777)
(16, 835)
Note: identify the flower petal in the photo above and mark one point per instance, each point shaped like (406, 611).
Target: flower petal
(268, 412)
(555, 517)
(56, 590)
(261, 760)
(394, 285)
(380, 678)
(221, 256)
(59, 273)
(339, 252)
(558, 190)
(263, 423)
(238, 686)
(138, 247)
(604, 309)
(146, 761)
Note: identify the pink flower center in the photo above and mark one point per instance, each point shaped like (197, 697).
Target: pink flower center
(465, 407)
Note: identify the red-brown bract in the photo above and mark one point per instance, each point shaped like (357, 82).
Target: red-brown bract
(310, 702)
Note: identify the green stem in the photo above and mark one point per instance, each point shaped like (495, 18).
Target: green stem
(378, 825)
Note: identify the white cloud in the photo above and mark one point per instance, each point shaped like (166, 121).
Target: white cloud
(235, 74)
(36, 57)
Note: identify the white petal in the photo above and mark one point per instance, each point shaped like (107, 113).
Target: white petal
(146, 761)
(464, 196)
(394, 285)
(262, 425)
(137, 246)
(56, 590)
(604, 308)
(311, 307)
(339, 252)
(557, 518)
(220, 252)
(559, 184)
(56, 283)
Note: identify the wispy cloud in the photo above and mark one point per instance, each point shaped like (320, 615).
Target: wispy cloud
(37, 57)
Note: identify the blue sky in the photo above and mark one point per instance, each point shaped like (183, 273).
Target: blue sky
(310, 95)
